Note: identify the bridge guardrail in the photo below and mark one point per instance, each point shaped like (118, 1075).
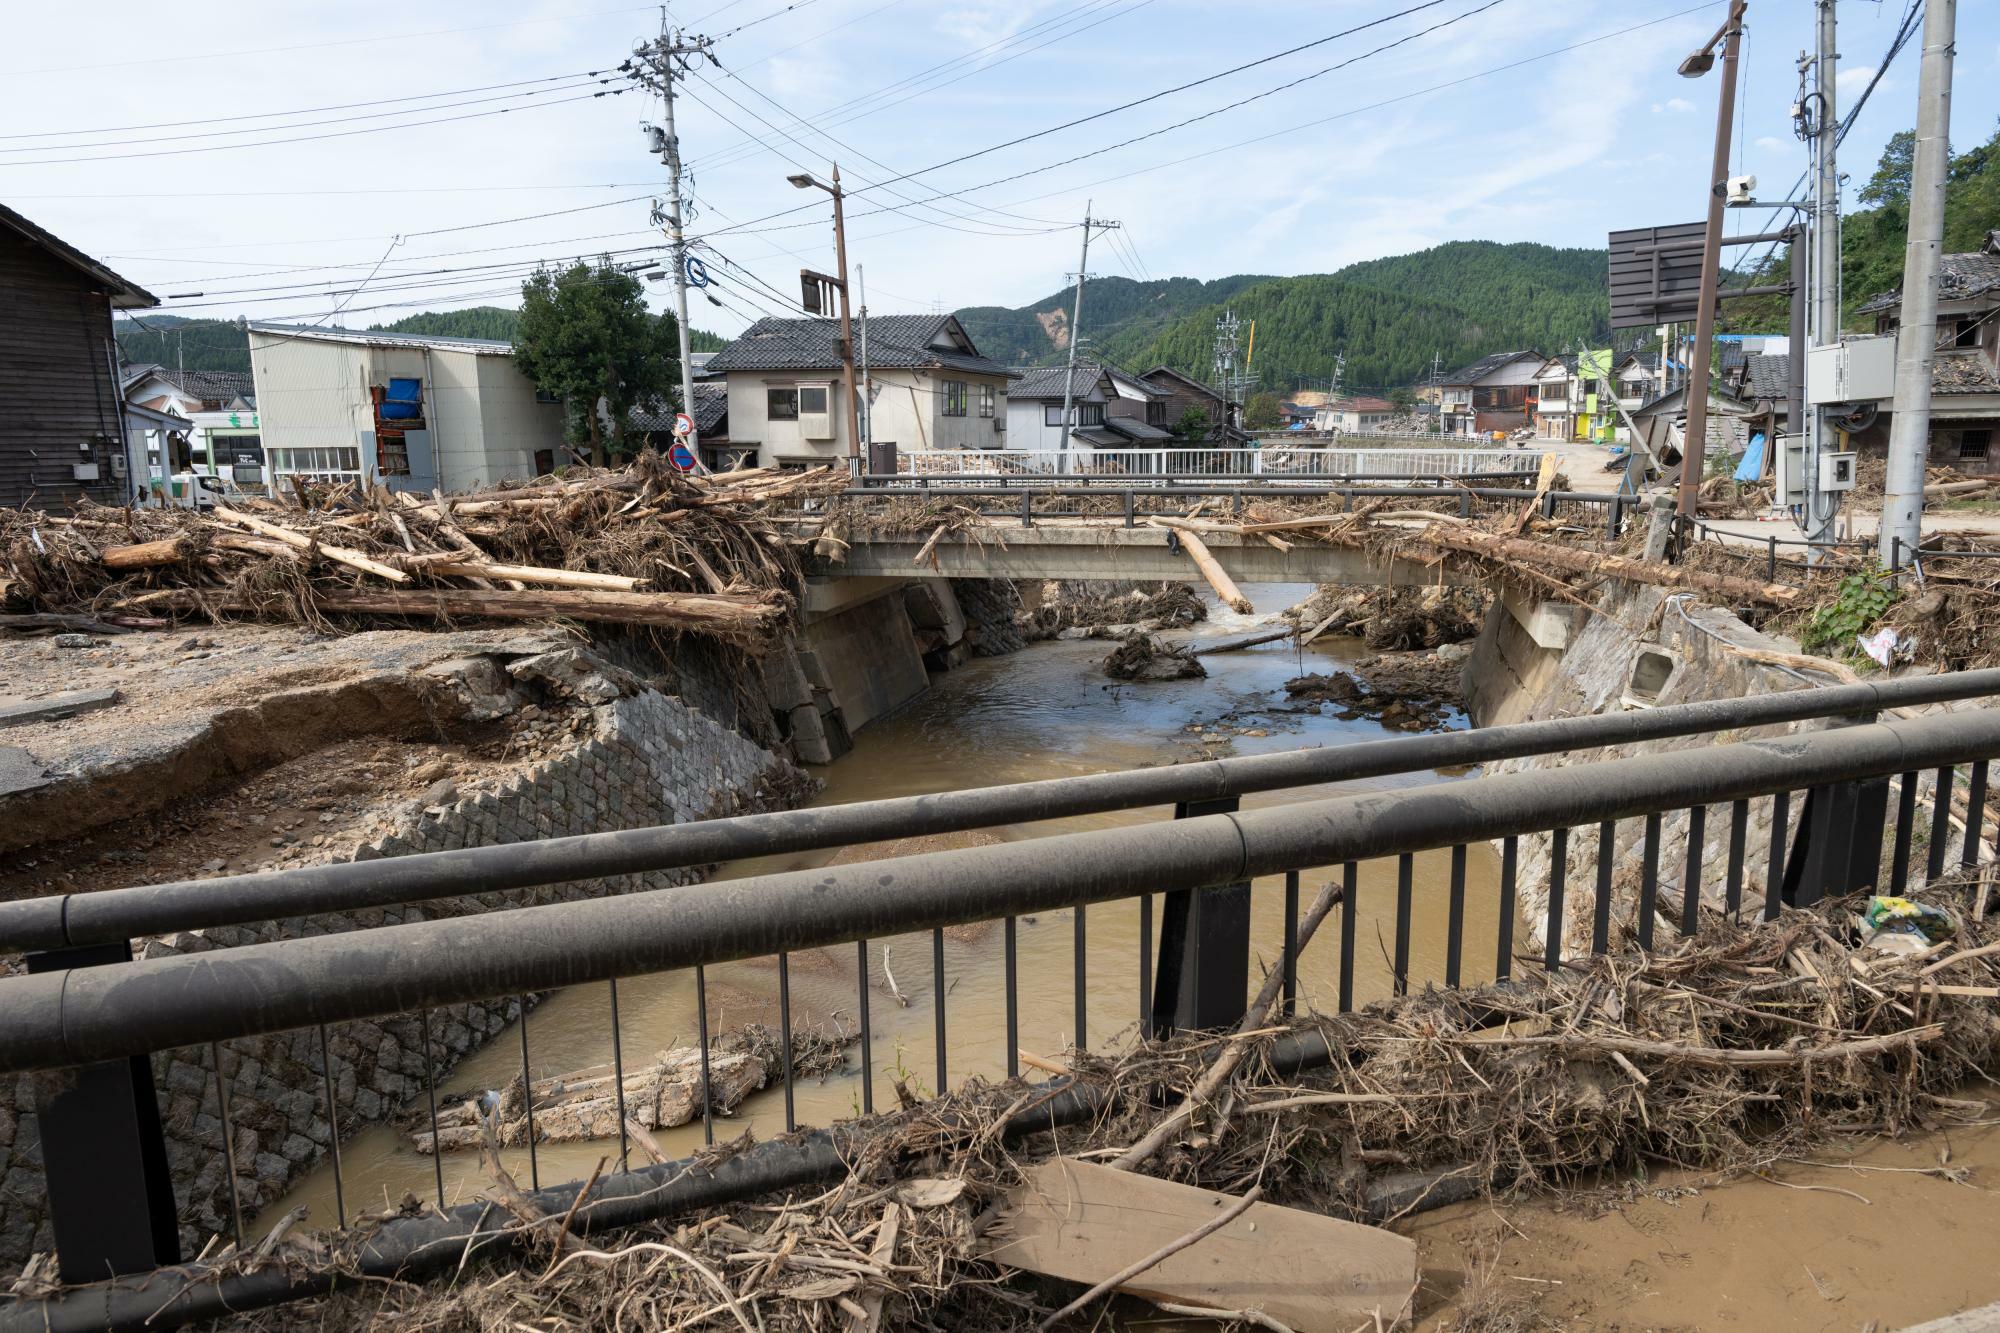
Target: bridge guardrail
(1276, 459)
(1199, 866)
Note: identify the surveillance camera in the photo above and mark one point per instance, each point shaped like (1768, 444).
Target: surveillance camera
(1742, 187)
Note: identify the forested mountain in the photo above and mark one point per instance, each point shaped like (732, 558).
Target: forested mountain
(1873, 238)
(1390, 317)
(219, 344)
(1039, 332)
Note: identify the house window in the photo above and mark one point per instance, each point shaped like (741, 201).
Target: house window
(987, 398)
(1968, 333)
(781, 404)
(544, 396)
(1974, 443)
(954, 398)
(1090, 414)
(815, 416)
(326, 464)
(1156, 412)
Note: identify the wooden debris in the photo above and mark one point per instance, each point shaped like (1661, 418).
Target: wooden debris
(584, 1105)
(1218, 578)
(340, 554)
(1166, 1241)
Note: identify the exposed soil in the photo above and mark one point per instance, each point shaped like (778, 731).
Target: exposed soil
(1798, 1250)
(1071, 609)
(1395, 619)
(311, 808)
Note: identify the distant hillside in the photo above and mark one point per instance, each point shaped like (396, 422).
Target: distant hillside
(218, 344)
(1039, 333)
(1457, 301)
(1872, 239)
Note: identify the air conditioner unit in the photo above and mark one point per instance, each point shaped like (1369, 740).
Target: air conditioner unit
(999, 425)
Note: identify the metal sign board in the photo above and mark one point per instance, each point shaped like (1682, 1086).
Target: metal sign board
(682, 457)
(1656, 274)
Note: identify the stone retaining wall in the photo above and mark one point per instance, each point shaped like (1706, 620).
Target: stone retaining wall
(648, 759)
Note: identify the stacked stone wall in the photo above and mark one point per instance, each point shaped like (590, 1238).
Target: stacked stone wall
(648, 759)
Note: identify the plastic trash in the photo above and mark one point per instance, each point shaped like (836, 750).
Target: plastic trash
(1898, 925)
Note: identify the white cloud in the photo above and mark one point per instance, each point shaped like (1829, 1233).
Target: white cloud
(1771, 143)
(1853, 79)
(1677, 105)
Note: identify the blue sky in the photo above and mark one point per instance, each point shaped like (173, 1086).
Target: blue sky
(1471, 130)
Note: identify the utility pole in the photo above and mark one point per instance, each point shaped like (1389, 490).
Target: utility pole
(664, 61)
(1694, 448)
(1076, 333)
(1822, 312)
(867, 395)
(1916, 339)
(805, 180)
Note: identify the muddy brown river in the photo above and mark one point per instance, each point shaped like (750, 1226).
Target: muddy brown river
(1041, 713)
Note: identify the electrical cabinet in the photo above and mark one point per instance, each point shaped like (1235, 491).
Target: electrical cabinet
(1855, 370)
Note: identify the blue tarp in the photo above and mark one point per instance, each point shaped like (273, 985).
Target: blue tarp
(403, 401)
(1752, 466)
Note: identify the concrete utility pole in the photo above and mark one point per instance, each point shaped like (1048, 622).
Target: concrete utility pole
(806, 181)
(1916, 342)
(666, 59)
(1694, 448)
(1075, 333)
(1824, 310)
(867, 394)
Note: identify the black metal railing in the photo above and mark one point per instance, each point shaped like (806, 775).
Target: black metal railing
(1197, 869)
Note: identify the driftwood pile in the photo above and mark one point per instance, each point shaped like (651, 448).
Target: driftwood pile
(1731, 1052)
(584, 1105)
(642, 546)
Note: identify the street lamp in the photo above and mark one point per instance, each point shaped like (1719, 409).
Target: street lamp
(1694, 448)
(805, 181)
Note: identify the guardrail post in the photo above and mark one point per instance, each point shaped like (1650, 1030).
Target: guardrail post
(1465, 504)
(1615, 519)
(1128, 510)
(1838, 849)
(104, 1157)
(1204, 957)
(1771, 562)
(1027, 508)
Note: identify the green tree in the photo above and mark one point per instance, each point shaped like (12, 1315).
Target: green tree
(586, 336)
(1402, 398)
(1263, 411)
(1193, 425)
(1891, 182)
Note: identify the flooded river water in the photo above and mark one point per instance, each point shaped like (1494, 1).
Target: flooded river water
(1045, 712)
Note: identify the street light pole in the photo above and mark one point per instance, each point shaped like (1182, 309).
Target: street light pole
(806, 181)
(1694, 449)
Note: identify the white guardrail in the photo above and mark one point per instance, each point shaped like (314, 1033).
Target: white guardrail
(1274, 461)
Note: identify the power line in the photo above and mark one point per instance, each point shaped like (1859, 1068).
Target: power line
(303, 111)
(99, 65)
(1152, 97)
(747, 229)
(877, 100)
(522, 98)
(314, 138)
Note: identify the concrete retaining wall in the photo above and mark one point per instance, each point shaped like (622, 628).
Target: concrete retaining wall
(1643, 647)
(648, 759)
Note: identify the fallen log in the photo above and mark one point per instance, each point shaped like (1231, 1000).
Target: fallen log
(338, 554)
(143, 555)
(742, 617)
(560, 578)
(81, 624)
(1529, 554)
(1218, 578)
(1237, 645)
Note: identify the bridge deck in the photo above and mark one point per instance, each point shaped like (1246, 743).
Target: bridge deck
(1106, 549)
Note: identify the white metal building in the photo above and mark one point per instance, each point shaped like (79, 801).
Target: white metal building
(414, 413)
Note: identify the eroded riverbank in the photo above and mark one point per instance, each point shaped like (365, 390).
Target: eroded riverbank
(1045, 712)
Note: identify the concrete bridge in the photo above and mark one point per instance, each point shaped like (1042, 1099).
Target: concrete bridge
(1103, 549)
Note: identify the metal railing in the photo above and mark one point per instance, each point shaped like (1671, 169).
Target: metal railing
(1193, 873)
(1276, 460)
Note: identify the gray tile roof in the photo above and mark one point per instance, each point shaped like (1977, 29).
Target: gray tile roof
(125, 294)
(1962, 372)
(711, 411)
(895, 342)
(1769, 376)
(1137, 431)
(1486, 365)
(1959, 277)
(1047, 383)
